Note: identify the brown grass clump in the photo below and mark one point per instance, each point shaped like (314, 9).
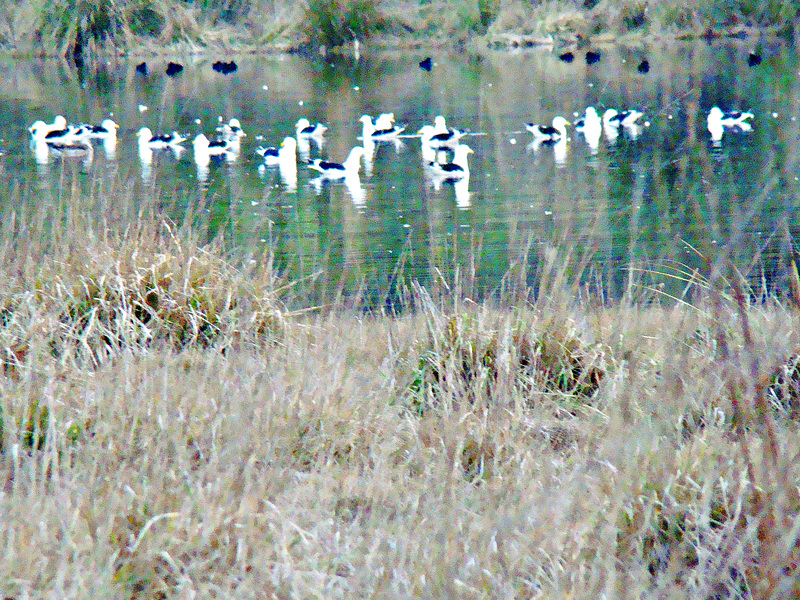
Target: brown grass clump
(488, 356)
(145, 291)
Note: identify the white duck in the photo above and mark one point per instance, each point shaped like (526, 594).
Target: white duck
(370, 131)
(304, 128)
(333, 170)
(547, 132)
(160, 141)
(448, 139)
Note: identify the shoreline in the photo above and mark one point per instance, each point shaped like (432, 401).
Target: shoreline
(234, 42)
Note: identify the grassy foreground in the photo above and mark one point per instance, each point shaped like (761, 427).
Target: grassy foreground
(170, 430)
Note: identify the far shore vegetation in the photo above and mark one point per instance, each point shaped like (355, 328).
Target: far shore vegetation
(87, 28)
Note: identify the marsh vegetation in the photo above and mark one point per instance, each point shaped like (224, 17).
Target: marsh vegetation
(176, 423)
(82, 28)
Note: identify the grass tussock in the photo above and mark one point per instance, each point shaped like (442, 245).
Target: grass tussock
(178, 434)
(483, 355)
(82, 303)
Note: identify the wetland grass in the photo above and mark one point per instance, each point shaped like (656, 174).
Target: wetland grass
(170, 430)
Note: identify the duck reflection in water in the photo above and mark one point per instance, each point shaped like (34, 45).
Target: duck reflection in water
(41, 151)
(460, 187)
(559, 149)
(352, 183)
(110, 147)
(148, 155)
(591, 126)
(203, 162)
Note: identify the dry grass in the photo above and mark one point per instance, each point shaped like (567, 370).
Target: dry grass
(171, 432)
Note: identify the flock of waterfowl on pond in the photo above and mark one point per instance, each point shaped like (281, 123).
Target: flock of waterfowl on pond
(443, 150)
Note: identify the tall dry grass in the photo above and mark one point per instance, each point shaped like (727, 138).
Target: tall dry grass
(171, 431)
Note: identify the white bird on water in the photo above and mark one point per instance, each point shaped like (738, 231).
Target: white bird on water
(202, 145)
(384, 121)
(304, 128)
(58, 132)
(556, 131)
(448, 139)
(158, 141)
(232, 132)
(106, 130)
(370, 131)
(334, 170)
(39, 129)
(275, 156)
(285, 158)
(626, 118)
(731, 119)
(717, 122)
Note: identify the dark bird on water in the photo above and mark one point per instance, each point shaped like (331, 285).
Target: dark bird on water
(142, 68)
(567, 57)
(426, 63)
(753, 59)
(644, 67)
(225, 67)
(173, 69)
(592, 57)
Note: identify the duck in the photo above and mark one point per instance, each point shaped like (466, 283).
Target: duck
(333, 170)
(71, 135)
(218, 147)
(232, 130)
(160, 141)
(456, 169)
(58, 132)
(304, 128)
(39, 129)
(589, 119)
(384, 121)
(370, 131)
(448, 139)
(440, 125)
(173, 69)
(546, 132)
(734, 118)
(275, 156)
(626, 118)
(592, 57)
(106, 130)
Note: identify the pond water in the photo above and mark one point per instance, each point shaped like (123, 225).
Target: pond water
(662, 201)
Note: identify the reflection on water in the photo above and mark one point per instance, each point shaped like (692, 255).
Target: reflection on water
(667, 188)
